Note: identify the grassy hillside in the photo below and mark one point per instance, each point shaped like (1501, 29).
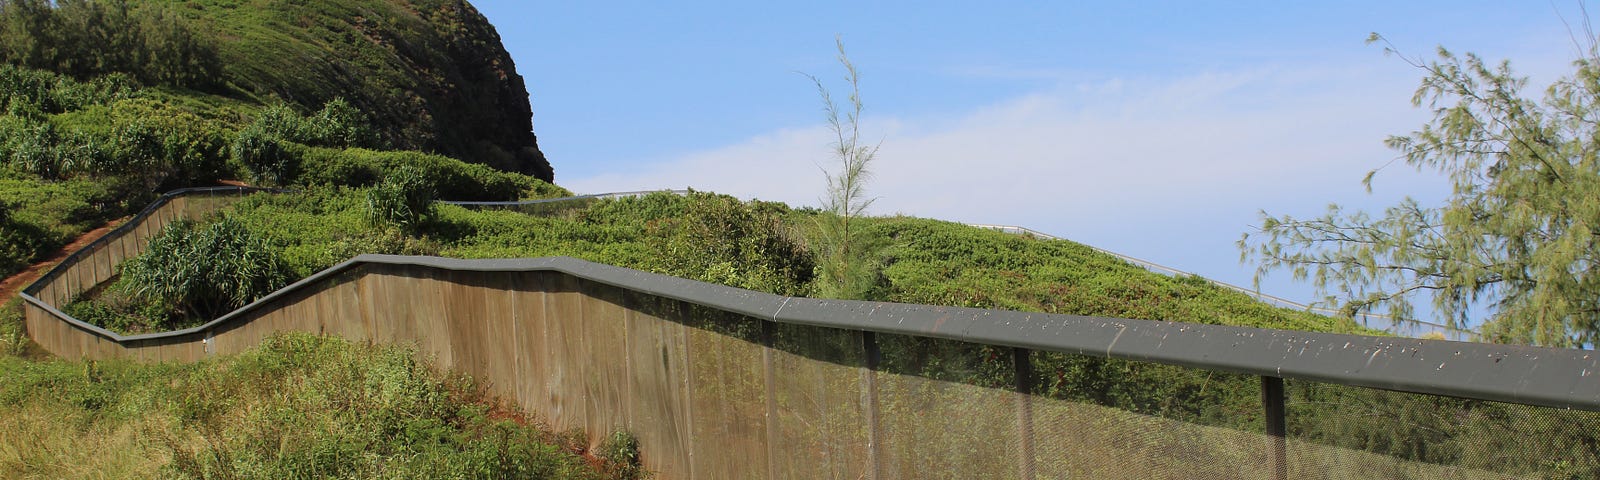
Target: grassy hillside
(432, 74)
(74, 154)
(299, 406)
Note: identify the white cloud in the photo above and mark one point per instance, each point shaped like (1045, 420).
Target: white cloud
(1108, 149)
(1171, 170)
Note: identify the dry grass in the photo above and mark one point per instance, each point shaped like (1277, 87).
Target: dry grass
(47, 440)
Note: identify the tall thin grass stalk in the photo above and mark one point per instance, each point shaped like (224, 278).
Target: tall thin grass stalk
(842, 255)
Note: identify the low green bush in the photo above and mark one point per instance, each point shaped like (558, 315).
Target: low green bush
(719, 239)
(452, 179)
(404, 199)
(620, 452)
(26, 92)
(265, 156)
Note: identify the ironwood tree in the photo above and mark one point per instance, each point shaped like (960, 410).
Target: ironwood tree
(1519, 234)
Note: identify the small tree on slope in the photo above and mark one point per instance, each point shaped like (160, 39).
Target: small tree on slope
(844, 264)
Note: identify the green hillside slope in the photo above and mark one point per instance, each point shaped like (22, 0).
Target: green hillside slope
(299, 406)
(432, 74)
(764, 246)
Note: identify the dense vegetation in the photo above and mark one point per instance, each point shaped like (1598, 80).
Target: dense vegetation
(106, 103)
(299, 406)
(74, 154)
(431, 73)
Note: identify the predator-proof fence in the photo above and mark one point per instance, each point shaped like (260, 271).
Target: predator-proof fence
(718, 382)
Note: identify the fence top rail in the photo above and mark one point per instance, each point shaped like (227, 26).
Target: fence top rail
(1550, 377)
(132, 223)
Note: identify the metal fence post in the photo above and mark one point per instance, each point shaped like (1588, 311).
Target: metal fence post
(1022, 360)
(869, 345)
(1272, 400)
(767, 328)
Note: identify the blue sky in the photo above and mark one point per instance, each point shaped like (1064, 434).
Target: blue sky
(1153, 129)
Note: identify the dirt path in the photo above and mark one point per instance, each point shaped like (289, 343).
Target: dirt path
(13, 284)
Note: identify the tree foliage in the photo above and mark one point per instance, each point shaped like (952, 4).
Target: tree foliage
(88, 38)
(338, 125)
(1520, 231)
(844, 261)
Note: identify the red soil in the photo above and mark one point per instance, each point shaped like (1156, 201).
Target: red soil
(13, 284)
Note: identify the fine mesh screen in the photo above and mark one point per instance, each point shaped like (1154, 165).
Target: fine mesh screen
(1099, 418)
(727, 395)
(935, 397)
(819, 402)
(1338, 431)
(719, 395)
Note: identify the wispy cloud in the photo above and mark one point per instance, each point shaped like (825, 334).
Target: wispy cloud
(1121, 144)
(1169, 169)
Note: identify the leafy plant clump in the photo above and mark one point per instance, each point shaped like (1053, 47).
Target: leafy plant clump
(620, 452)
(404, 200)
(205, 271)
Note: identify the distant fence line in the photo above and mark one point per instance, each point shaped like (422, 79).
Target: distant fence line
(719, 382)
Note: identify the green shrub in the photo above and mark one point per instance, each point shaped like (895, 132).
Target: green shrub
(118, 309)
(620, 452)
(32, 147)
(339, 124)
(297, 406)
(20, 243)
(452, 179)
(27, 92)
(264, 156)
(720, 239)
(404, 199)
(205, 271)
